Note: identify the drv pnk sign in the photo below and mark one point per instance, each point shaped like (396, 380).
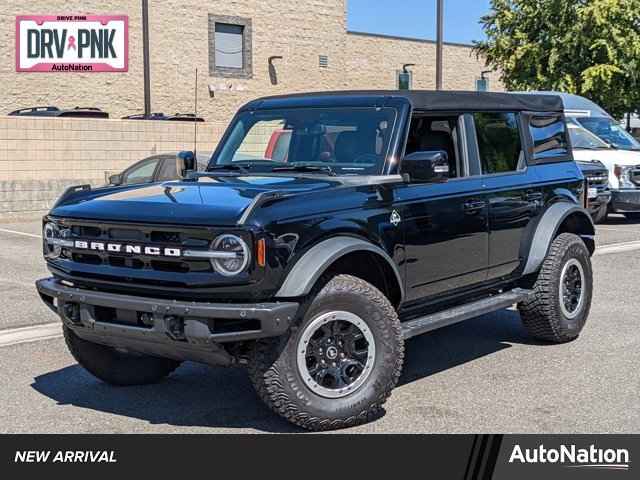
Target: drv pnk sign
(72, 43)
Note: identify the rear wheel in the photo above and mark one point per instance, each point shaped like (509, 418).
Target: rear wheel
(338, 367)
(561, 300)
(116, 367)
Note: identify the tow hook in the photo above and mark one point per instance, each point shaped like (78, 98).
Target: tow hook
(71, 312)
(175, 328)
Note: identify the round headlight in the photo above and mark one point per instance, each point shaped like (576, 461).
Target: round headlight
(50, 234)
(238, 255)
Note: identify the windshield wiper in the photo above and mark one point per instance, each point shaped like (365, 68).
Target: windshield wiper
(305, 169)
(229, 167)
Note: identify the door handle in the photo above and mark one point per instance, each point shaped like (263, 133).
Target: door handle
(472, 206)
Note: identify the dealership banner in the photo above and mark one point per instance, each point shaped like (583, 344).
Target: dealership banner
(72, 43)
(463, 457)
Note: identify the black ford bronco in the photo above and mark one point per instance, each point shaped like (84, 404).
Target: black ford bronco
(328, 229)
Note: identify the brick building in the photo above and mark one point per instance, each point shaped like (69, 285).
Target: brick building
(317, 51)
(242, 49)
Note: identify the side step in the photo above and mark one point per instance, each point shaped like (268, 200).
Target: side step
(460, 313)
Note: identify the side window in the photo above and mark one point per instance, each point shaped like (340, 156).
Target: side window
(168, 170)
(141, 173)
(430, 133)
(549, 135)
(499, 142)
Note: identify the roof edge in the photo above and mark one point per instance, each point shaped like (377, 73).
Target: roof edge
(406, 39)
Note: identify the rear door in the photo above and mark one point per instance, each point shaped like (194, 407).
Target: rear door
(510, 146)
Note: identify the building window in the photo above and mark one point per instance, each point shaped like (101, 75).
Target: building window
(230, 52)
(404, 80)
(324, 61)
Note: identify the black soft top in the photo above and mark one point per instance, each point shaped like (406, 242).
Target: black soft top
(419, 99)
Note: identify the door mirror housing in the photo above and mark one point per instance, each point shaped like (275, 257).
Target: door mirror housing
(185, 163)
(426, 166)
(115, 179)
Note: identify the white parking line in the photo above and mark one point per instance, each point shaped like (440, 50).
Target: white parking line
(15, 336)
(25, 234)
(617, 248)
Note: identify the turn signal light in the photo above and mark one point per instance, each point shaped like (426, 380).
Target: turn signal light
(261, 253)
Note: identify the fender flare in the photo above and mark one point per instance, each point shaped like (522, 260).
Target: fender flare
(546, 232)
(310, 267)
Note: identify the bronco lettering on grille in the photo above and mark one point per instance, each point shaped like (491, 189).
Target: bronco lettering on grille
(128, 249)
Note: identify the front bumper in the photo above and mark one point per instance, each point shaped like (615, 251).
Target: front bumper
(625, 201)
(165, 328)
(603, 198)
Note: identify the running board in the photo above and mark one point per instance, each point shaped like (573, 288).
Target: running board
(460, 313)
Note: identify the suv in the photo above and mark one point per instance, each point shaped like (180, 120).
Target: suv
(394, 214)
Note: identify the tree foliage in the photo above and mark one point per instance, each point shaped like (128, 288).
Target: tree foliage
(587, 47)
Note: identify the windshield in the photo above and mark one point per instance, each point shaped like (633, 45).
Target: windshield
(584, 139)
(343, 141)
(609, 131)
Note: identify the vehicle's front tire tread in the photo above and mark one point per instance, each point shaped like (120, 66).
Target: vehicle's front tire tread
(269, 378)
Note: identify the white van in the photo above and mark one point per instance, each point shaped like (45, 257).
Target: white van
(595, 135)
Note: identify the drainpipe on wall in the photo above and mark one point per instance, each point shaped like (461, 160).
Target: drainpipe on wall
(439, 44)
(145, 56)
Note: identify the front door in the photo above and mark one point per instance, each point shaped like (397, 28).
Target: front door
(445, 225)
(446, 236)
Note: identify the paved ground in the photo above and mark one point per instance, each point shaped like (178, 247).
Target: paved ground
(482, 375)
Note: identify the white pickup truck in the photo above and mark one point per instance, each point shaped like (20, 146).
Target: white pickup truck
(597, 136)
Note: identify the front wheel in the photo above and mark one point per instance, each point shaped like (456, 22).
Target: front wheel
(559, 306)
(116, 367)
(338, 367)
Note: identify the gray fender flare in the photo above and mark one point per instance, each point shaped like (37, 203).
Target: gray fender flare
(546, 230)
(310, 267)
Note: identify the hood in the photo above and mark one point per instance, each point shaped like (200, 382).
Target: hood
(609, 158)
(214, 201)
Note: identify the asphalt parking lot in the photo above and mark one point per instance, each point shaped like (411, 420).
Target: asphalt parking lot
(482, 375)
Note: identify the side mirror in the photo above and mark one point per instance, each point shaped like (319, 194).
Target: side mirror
(185, 163)
(426, 166)
(115, 179)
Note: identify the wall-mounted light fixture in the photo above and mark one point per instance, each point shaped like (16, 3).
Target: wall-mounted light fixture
(405, 77)
(273, 74)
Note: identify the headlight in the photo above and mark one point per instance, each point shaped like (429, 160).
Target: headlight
(623, 174)
(54, 239)
(232, 255)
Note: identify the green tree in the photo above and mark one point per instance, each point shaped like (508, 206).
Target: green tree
(587, 47)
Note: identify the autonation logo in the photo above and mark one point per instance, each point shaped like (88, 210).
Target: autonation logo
(573, 457)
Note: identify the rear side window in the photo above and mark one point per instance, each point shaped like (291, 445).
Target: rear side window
(549, 135)
(499, 142)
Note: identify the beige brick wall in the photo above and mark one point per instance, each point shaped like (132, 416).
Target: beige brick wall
(298, 30)
(39, 157)
(373, 62)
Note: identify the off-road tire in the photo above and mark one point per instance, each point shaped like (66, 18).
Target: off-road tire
(542, 314)
(601, 215)
(117, 368)
(274, 371)
(635, 216)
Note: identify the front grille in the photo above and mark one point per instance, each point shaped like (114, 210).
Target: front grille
(151, 236)
(634, 176)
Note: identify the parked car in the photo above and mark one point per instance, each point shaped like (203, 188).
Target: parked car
(618, 150)
(585, 143)
(394, 214)
(176, 117)
(79, 112)
(156, 168)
